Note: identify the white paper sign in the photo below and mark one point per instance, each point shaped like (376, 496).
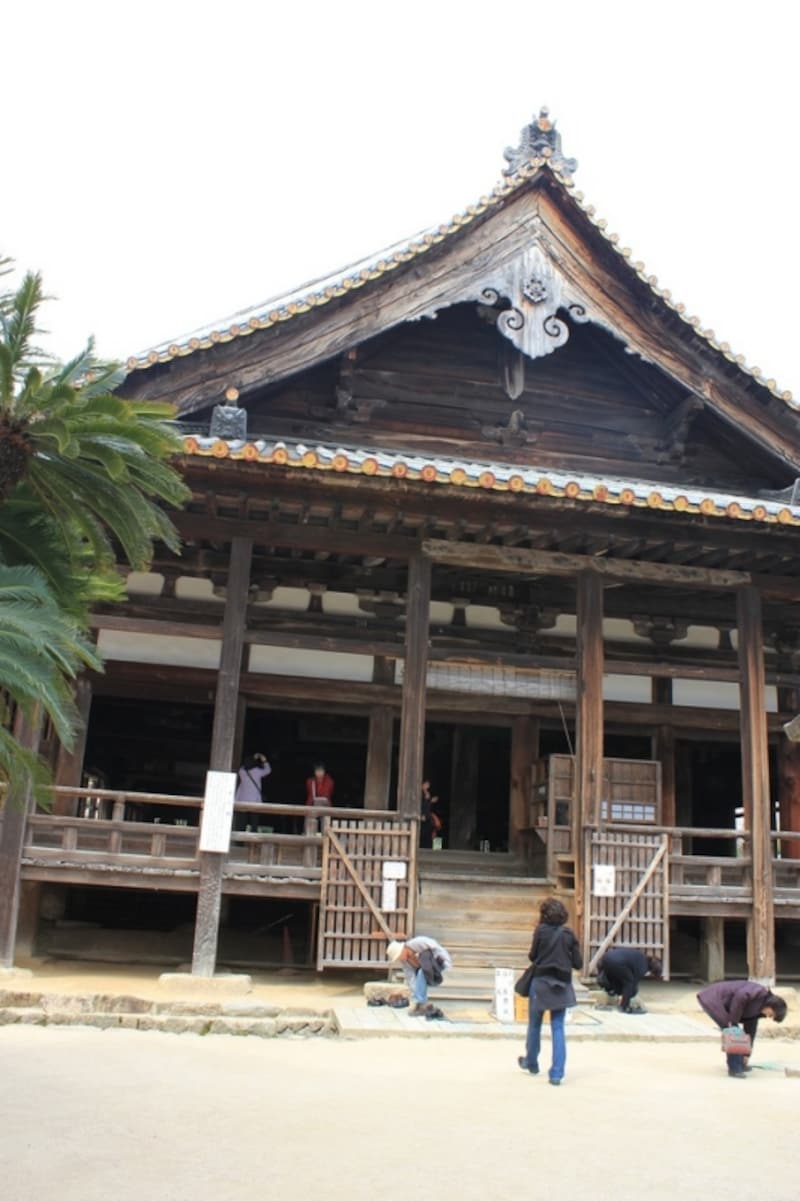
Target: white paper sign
(504, 994)
(394, 870)
(215, 827)
(389, 896)
(604, 880)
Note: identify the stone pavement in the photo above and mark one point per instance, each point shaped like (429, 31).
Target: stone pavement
(584, 1024)
(302, 1003)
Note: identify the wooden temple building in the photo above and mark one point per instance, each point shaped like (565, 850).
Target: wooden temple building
(489, 508)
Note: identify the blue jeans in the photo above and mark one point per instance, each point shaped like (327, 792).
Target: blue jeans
(420, 989)
(557, 1032)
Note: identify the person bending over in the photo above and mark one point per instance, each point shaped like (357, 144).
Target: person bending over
(621, 970)
(740, 1003)
(424, 962)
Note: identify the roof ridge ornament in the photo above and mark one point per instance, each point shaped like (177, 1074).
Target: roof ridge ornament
(539, 140)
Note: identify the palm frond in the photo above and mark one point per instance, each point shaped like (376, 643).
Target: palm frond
(23, 772)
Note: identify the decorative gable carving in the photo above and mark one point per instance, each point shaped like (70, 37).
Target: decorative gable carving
(524, 297)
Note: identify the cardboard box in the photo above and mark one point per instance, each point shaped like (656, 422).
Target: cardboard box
(520, 1008)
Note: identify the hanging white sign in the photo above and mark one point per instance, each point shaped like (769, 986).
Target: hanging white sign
(215, 826)
(394, 869)
(389, 896)
(604, 880)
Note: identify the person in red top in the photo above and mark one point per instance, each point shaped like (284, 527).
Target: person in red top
(319, 787)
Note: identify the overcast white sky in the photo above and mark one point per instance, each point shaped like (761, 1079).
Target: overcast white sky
(166, 164)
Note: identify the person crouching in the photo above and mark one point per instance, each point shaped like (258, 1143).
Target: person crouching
(424, 962)
(620, 972)
(740, 1003)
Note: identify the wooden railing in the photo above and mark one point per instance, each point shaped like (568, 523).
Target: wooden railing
(158, 832)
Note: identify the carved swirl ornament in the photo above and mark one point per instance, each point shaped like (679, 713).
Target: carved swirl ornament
(529, 294)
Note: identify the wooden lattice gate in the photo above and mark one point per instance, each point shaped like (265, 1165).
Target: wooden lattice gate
(627, 899)
(369, 888)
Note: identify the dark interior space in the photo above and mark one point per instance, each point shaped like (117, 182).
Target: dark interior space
(148, 746)
(715, 781)
(158, 927)
(468, 767)
(294, 742)
(787, 950)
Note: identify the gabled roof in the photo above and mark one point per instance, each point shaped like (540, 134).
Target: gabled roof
(536, 161)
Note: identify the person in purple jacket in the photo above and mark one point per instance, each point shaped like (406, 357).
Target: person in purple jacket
(740, 1003)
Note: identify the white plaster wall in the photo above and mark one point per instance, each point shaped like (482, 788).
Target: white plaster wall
(565, 627)
(193, 588)
(484, 617)
(323, 665)
(144, 583)
(634, 689)
(701, 636)
(295, 599)
(159, 648)
(716, 694)
(343, 604)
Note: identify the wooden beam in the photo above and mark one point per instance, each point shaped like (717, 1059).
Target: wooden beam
(197, 527)
(223, 736)
(412, 717)
(518, 561)
(755, 784)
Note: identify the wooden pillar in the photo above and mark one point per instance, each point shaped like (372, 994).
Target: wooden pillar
(379, 742)
(463, 832)
(789, 776)
(712, 966)
(524, 753)
(664, 752)
(588, 721)
(379, 758)
(412, 716)
(755, 783)
(12, 841)
(69, 764)
(223, 736)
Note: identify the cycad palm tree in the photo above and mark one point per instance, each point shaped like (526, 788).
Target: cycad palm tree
(42, 649)
(95, 463)
(83, 478)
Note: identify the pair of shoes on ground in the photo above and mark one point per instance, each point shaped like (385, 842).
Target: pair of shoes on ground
(634, 1011)
(740, 1075)
(431, 1012)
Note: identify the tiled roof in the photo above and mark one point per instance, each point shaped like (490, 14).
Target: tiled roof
(321, 292)
(497, 477)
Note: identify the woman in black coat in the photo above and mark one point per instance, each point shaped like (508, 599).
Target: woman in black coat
(554, 953)
(740, 1003)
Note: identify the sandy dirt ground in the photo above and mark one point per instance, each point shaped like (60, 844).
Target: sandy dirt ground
(123, 1115)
